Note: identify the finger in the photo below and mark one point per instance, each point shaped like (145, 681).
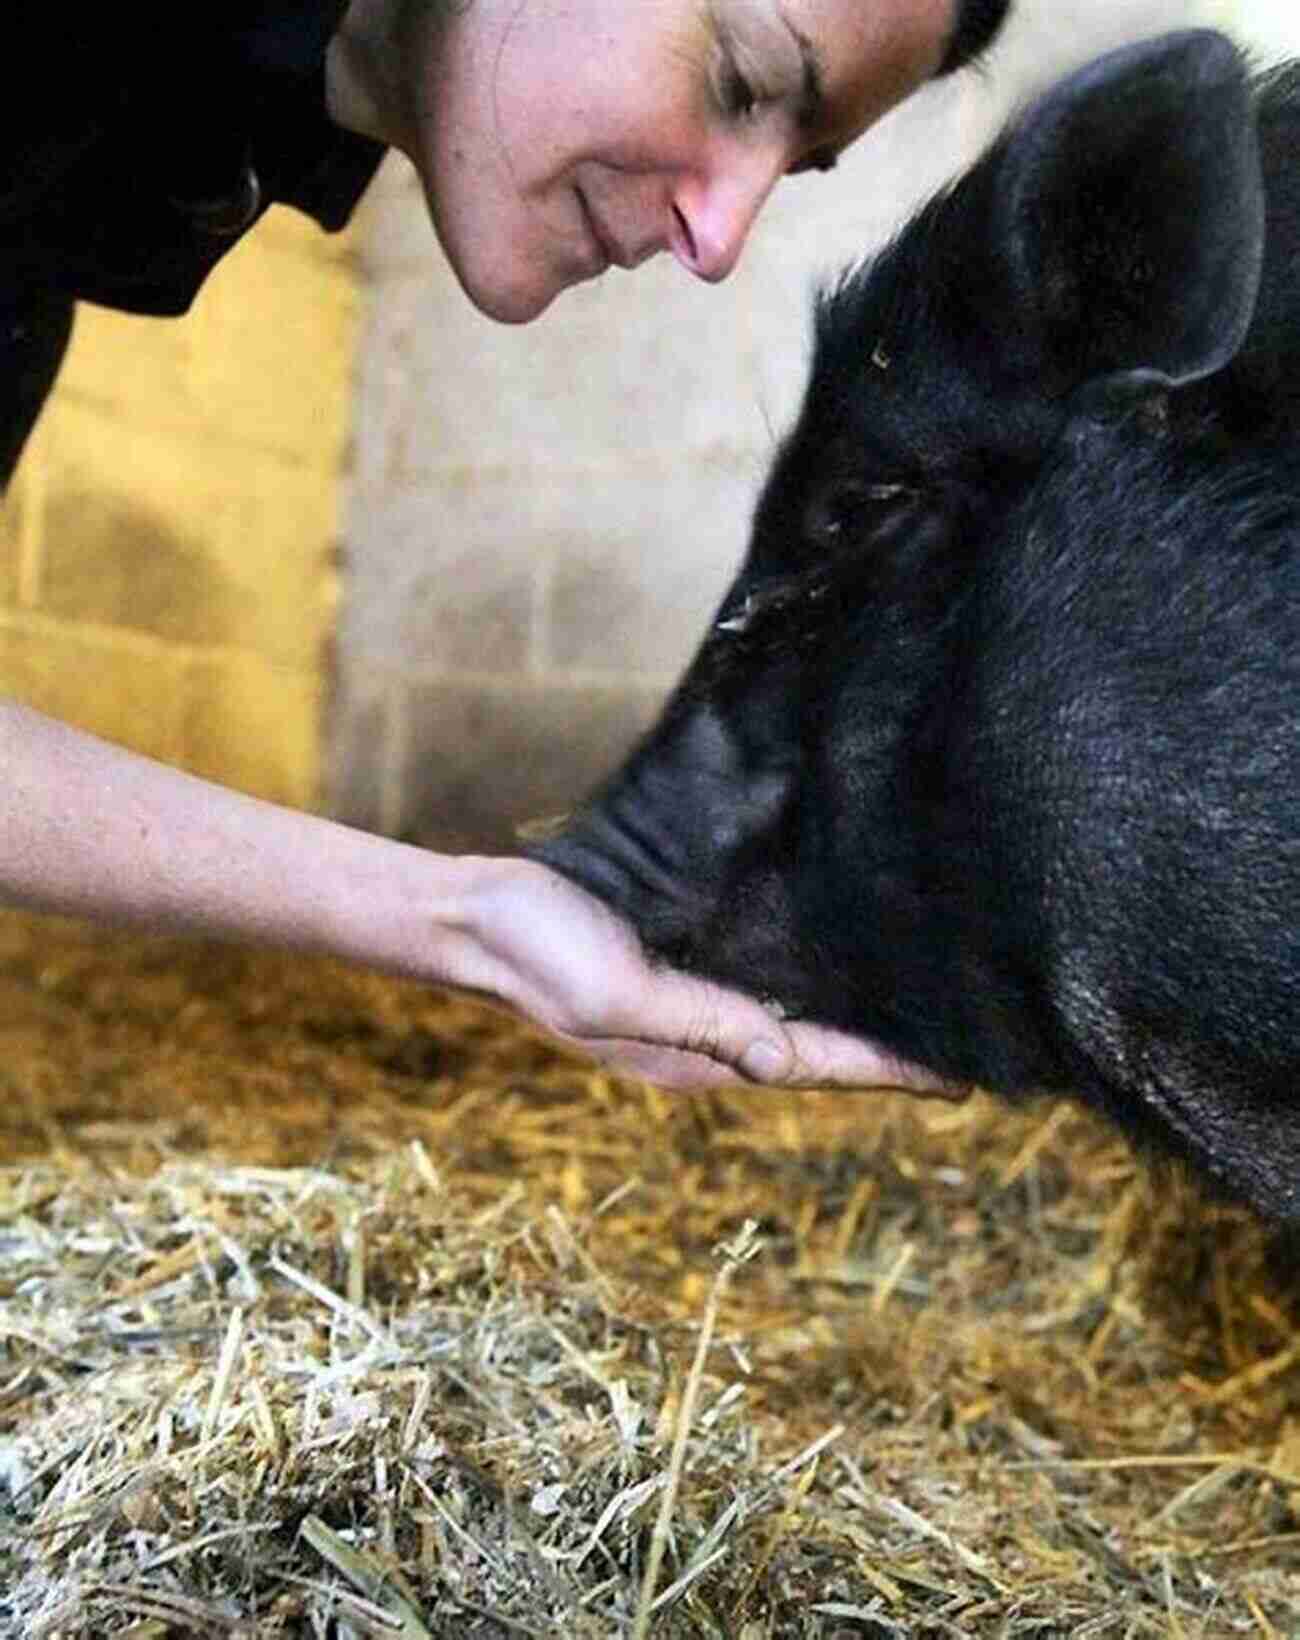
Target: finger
(733, 1028)
(828, 1058)
(707, 1022)
(676, 1069)
(692, 1033)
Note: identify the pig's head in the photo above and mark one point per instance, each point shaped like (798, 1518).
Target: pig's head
(797, 823)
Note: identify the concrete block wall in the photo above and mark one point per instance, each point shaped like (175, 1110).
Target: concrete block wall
(542, 520)
(1271, 27)
(169, 542)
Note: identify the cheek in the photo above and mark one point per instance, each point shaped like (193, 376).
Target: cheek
(501, 268)
(630, 96)
(500, 98)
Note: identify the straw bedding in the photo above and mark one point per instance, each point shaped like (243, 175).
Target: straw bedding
(330, 1306)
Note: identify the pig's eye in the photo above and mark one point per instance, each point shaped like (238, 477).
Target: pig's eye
(849, 511)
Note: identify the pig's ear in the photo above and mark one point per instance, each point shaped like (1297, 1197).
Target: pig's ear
(1130, 211)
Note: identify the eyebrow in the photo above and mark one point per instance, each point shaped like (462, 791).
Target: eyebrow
(811, 112)
(812, 93)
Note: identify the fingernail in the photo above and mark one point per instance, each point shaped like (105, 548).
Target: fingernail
(764, 1061)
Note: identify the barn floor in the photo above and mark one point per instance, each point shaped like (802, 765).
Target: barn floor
(333, 1307)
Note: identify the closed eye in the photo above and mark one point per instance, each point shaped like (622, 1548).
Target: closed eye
(737, 95)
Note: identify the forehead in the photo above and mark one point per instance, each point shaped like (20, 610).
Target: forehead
(863, 56)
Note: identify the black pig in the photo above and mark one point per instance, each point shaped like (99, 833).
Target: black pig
(992, 753)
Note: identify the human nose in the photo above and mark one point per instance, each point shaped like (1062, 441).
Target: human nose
(712, 215)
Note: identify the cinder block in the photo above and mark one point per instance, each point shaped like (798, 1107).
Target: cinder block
(1049, 37)
(287, 230)
(15, 523)
(275, 340)
(261, 361)
(22, 516)
(640, 565)
(450, 576)
(392, 229)
(174, 525)
(590, 383)
(481, 759)
(125, 363)
(253, 726)
(148, 531)
(364, 726)
(1271, 27)
(127, 690)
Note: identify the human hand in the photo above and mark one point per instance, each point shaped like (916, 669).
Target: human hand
(537, 942)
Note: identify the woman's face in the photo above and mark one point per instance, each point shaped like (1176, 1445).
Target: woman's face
(556, 138)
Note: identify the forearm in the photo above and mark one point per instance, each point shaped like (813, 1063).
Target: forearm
(91, 830)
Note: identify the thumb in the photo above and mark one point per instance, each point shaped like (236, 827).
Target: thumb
(701, 1017)
(733, 1029)
(737, 1030)
(825, 1057)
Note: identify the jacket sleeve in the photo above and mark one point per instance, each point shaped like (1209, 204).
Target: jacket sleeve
(163, 139)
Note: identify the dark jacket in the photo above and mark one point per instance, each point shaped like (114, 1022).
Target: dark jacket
(157, 145)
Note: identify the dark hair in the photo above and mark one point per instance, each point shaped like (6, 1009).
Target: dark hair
(977, 25)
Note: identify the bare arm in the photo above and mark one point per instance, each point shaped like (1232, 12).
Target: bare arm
(91, 830)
